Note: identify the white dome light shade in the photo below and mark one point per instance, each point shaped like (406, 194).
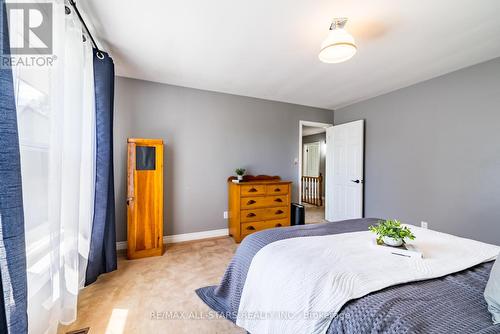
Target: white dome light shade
(339, 46)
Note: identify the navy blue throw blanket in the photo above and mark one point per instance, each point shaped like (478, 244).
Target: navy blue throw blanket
(13, 281)
(102, 255)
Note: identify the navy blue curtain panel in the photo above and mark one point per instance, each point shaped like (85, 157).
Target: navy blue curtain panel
(102, 255)
(13, 282)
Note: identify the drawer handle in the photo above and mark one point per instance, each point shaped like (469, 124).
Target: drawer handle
(279, 200)
(279, 212)
(250, 228)
(277, 189)
(252, 190)
(251, 214)
(250, 202)
(278, 225)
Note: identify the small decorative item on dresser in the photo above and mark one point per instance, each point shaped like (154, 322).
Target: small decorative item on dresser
(259, 203)
(240, 172)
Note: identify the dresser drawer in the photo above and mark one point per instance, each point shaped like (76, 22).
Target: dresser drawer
(252, 190)
(277, 189)
(248, 228)
(279, 212)
(253, 215)
(263, 201)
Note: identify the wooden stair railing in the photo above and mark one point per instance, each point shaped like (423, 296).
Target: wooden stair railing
(312, 189)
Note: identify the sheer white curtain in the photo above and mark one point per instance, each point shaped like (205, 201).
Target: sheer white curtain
(56, 120)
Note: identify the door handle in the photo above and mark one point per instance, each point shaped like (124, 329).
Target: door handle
(129, 199)
(357, 181)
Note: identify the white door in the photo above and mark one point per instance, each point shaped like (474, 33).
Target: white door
(344, 171)
(311, 159)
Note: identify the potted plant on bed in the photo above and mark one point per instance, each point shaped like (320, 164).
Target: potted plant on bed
(391, 232)
(240, 172)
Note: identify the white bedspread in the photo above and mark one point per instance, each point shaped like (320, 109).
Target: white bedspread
(298, 285)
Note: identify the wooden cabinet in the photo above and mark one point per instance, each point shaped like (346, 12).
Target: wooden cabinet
(145, 197)
(258, 203)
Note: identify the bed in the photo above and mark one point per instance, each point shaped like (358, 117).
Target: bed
(450, 304)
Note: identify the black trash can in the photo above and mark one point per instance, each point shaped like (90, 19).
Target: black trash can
(298, 215)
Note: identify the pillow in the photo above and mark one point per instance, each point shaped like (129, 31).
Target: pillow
(492, 292)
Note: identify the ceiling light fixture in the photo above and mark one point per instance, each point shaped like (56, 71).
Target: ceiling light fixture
(339, 46)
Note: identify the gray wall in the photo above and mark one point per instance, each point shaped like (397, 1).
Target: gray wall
(207, 135)
(433, 152)
(321, 137)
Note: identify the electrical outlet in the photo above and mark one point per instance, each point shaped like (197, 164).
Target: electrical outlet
(226, 215)
(423, 224)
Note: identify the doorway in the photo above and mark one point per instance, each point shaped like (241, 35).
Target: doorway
(331, 168)
(312, 170)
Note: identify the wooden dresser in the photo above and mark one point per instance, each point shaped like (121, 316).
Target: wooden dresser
(258, 203)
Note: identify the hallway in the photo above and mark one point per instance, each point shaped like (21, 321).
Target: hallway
(314, 214)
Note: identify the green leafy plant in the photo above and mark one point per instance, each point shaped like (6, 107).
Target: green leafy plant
(391, 228)
(240, 171)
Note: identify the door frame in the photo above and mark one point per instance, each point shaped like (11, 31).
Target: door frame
(307, 123)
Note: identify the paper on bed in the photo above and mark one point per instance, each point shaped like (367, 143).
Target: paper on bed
(297, 285)
(408, 250)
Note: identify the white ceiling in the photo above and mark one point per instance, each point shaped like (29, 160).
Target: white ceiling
(269, 49)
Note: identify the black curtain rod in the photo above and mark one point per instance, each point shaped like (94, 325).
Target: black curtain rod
(73, 3)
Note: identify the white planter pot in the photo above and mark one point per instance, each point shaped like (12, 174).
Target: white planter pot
(240, 177)
(392, 242)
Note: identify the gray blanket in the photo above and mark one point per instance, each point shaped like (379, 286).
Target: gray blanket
(451, 304)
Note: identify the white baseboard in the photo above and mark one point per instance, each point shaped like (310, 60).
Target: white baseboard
(121, 245)
(168, 239)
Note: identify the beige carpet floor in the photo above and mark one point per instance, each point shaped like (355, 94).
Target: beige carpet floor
(156, 295)
(314, 214)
